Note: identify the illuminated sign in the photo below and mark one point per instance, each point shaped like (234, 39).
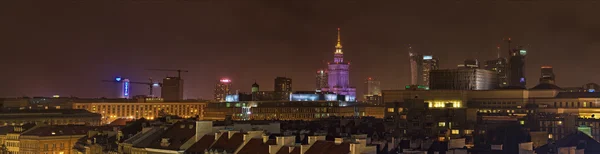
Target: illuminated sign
(523, 52)
(225, 80)
(427, 57)
(126, 88)
(591, 90)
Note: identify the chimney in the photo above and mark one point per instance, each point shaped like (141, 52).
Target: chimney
(253, 134)
(230, 133)
(203, 128)
(265, 138)
(313, 139)
(285, 140)
(339, 140)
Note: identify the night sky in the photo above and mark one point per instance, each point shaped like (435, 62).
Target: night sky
(67, 47)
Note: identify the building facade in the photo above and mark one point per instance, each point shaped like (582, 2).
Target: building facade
(50, 117)
(499, 66)
(111, 111)
(373, 90)
(288, 110)
(172, 89)
(420, 66)
(547, 75)
(339, 73)
(463, 79)
(322, 78)
(283, 84)
(222, 89)
(517, 68)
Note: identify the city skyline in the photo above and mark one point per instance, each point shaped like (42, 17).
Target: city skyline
(69, 52)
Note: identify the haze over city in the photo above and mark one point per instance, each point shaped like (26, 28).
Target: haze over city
(67, 48)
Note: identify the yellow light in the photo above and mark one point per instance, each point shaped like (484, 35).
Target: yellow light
(550, 136)
(455, 131)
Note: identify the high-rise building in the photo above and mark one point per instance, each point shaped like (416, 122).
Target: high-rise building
(501, 68)
(420, 66)
(373, 87)
(339, 76)
(516, 67)
(172, 89)
(322, 79)
(222, 89)
(283, 84)
(547, 75)
(463, 79)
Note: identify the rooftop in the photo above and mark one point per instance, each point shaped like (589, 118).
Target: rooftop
(175, 136)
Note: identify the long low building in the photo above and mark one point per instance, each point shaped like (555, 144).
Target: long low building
(289, 110)
(135, 110)
(49, 117)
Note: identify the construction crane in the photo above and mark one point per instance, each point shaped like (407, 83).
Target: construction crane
(150, 84)
(172, 70)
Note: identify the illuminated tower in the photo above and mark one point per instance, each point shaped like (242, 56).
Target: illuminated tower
(500, 66)
(255, 87)
(322, 79)
(420, 66)
(516, 65)
(222, 89)
(338, 79)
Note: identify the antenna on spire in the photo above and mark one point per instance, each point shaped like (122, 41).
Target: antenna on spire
(498, 50)
(339, 40)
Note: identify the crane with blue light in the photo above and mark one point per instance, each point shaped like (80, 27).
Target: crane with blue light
(150, 84)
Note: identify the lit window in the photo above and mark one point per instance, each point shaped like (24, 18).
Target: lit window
(549, 136)
(442, 138)
(442, 124)
(455, 132)
(559, 122)
(390, 109)
(522, 122)
(468, 132)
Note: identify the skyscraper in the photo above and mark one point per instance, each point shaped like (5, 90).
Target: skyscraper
(322, 79)
(373, 87)
(172, 89)
(516, 67)
(222, 89)
(547, 75)
(339, 76)
(283, 84)
(420, 66)
(500, 67)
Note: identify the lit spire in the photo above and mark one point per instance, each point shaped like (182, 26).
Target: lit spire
(338, 46)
